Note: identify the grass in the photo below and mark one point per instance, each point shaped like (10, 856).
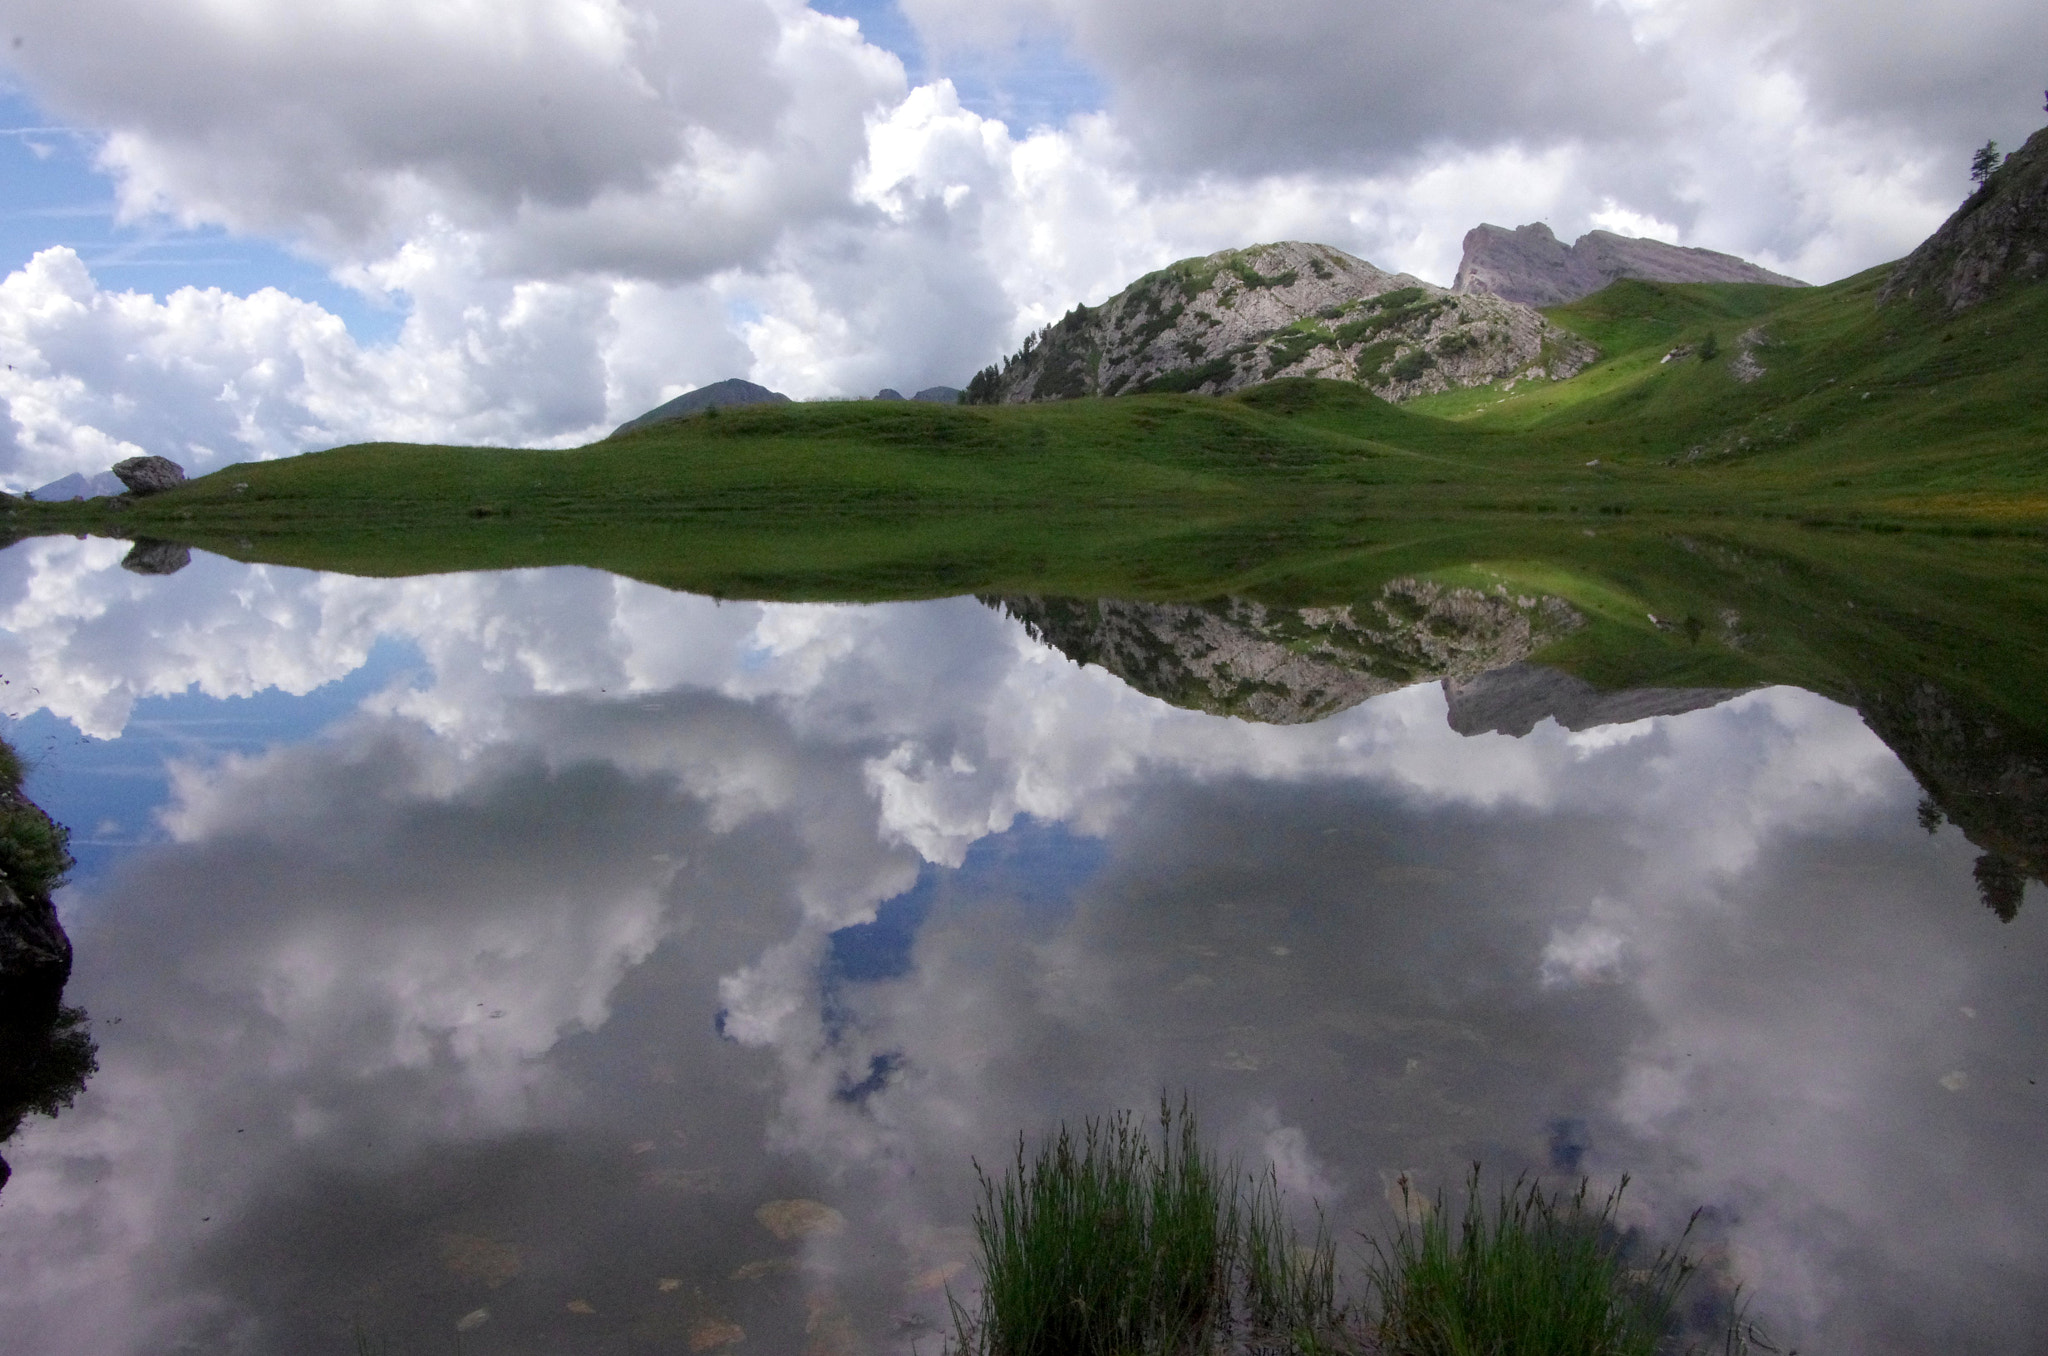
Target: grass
(1116, 1243)
(1543, 1275)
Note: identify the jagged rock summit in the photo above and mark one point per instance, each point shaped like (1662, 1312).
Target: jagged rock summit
(1532, 266)
(1998, 235)
(1240, 317)
(731, 391)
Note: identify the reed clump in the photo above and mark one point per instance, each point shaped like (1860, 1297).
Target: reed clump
(1114, 1243)
(1539, 1275)
(1122, 1242)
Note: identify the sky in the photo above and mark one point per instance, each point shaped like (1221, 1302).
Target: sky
(235, 229)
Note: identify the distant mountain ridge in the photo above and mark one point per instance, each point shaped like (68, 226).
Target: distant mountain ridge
(1292, 309)
(731, 391)
(1532, 266)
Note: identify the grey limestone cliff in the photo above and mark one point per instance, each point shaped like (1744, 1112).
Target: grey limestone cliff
(1532, 266)
(1514, 699)
(1240, 317)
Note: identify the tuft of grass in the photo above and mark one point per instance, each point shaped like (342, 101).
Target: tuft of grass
(1103, 1245)
(1542, 1275)
(1114, 1244)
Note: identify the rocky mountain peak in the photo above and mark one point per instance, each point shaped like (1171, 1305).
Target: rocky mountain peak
(1531, 265)
(1291, 309)
(1998, 235)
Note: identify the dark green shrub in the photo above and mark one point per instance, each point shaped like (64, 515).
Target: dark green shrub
(1413, 364)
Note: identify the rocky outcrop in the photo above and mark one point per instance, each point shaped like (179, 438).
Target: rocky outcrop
(939, 395)
(1997, 237)
(1532, 266)
(1287, 667)
(1515, 699)
(45, 1052)
(731, 391)
(1240, 317)
(149, 475)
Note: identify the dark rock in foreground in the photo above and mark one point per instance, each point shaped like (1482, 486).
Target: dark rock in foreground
(1999, 235)
(731, 391)
(888, 393)
(150, 556)
(1532, 266)
(1514, 699)
(149, 475)
(45, 1052)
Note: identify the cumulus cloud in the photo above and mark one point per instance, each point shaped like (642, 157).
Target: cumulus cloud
(667, 137)
(1331, 86)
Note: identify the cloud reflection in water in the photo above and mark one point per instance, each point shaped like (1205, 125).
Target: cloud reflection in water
(523, 988)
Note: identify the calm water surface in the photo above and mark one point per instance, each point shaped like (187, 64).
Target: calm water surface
(542, 962)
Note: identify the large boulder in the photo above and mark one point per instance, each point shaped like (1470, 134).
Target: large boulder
(1998, 236)
(151, 556)
(1534, 267)
(149, 475)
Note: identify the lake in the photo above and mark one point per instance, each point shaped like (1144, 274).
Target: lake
(543, 961)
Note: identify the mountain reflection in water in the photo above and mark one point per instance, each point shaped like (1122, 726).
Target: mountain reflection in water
(636, 971)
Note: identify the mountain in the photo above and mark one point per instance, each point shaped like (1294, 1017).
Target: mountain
(1240, 317)
(1998, 235)
(78, 486)
(931, 395)
(1514, 699)
(1280, 666)
(731, 391)
(1532, 266)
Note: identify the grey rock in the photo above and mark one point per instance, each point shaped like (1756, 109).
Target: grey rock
(1514, 699)
(1288, 667)
(731, 391)
(939, 395)
(150, 556)
(77, 486)
(888, 393)
(1998, 236)
(1532, 266)
(1240, 317)
(149, 475)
